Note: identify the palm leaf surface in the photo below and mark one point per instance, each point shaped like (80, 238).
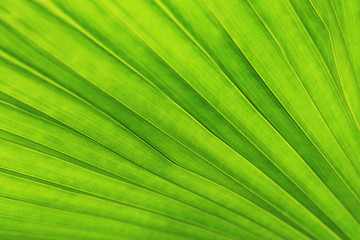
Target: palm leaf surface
(179, 119)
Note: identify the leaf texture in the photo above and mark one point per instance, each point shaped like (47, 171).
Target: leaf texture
(175, 119)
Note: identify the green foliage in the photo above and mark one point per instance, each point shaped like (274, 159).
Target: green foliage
(179, 119)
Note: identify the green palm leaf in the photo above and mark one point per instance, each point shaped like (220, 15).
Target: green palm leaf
(179, 119)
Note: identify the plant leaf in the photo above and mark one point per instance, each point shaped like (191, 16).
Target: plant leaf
(179, 119)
